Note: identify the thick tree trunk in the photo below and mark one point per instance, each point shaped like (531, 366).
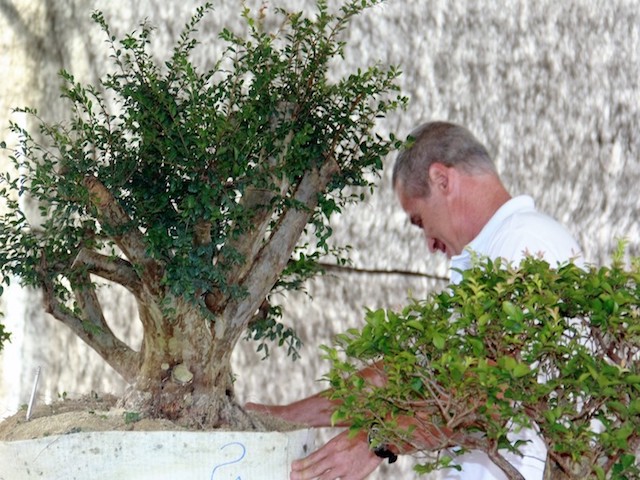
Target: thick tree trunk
(185, 373)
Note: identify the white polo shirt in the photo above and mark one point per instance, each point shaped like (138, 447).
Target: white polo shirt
(518, 229)
(515, 230)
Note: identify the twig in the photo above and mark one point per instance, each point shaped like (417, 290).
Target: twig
(379, 271)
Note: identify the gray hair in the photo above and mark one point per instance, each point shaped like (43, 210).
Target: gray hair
(442, 142)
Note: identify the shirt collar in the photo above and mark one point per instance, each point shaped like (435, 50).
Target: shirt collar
(517, 204)
(462, 261)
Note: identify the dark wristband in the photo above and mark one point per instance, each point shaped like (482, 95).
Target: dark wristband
(382, 451)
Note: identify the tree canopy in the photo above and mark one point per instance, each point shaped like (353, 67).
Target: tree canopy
(192, 186)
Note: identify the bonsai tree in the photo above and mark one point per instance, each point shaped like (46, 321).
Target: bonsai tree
(194, 188)
(506, 348)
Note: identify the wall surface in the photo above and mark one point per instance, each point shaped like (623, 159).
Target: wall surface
(551, 87)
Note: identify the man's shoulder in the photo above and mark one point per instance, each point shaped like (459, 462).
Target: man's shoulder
(533, 233)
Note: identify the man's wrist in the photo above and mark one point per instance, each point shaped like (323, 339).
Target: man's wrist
(382, 451)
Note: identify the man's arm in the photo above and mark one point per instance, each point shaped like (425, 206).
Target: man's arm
(316, 410)
(345, 457)
(313, 411)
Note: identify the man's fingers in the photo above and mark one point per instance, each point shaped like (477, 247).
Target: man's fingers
(342, 457)
(309, 471)
(312, 466)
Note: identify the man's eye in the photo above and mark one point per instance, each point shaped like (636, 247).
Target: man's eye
(416, 221)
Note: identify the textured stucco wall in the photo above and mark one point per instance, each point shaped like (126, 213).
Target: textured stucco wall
(551, 87)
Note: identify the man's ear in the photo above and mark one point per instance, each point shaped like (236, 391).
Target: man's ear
(439, 176)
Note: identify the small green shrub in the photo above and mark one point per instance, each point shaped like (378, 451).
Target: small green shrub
(507, 347)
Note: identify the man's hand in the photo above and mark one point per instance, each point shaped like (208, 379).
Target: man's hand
(342, 457)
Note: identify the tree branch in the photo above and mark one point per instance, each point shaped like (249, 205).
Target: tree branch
(509, 470)
(275, 254)
(260, 202)
(379, 271)
(94, 331)
(129, 239)
(118, 354)
(202, 233)
(248, 245)
(114, 269)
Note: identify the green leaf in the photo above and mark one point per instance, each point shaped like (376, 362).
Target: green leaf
(632, 379)
(634, 406)
(439, 341)
(417, 324)
(521, 370)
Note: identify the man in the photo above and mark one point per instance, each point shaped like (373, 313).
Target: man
(448, 185)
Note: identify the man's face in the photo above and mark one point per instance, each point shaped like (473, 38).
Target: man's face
(432, 214)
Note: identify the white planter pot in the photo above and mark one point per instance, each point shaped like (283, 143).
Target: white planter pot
(172, 455)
